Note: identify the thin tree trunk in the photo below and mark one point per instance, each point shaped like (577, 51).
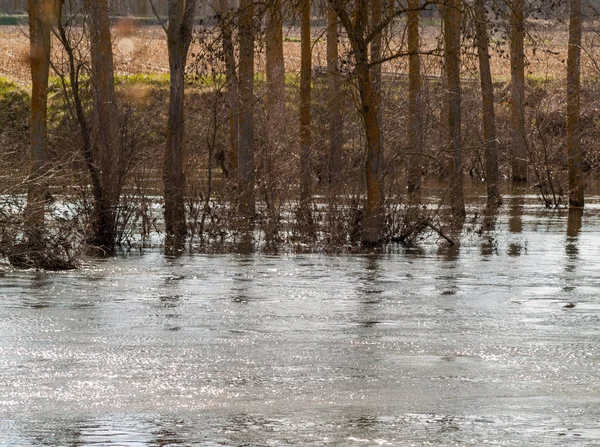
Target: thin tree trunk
(334, 102)
(376, 48)
(574, 155)
(452, 22)
(305, 116)
(106, 141)
(39, 44)
(443, 133)
(77, 103)
(415, 127)
(233, 100)
(517, 69)
(489, 117)
(275, 110)
(275, 64)
(179, 37)
(376, 6)
(373, 213)
(247, 198)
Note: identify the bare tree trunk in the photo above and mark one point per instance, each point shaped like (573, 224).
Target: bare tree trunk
(305, 117)
(275, 108)
(369, 101)
(489, 117)
(376, 48)
(574, 155)
(275, 63)
(415, 126)
(233, 100)
(39, 59)
(334, 103)
(179, 37)
(74, 67)
(247, 198)
(517, 69)
(452, 22)
(357, 35)
(443, 132)
(106, 140)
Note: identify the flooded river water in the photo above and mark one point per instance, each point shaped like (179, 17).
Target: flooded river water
(474, 345)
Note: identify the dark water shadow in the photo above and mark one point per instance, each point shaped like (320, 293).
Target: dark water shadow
(370, 292)
(447, 281)
(38, 286)
(243, 278)
(489, 241)
(574, 223)
(515, 224)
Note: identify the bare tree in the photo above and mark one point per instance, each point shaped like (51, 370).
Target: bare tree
(233, 100)
(106, 139)
(179, 37)
(519, 158)
(376, 53)
(275, 63)
(452, 25)
(305, 118)
(39, 60)
(574, 155)
(359, 36)
(247, 195)
(489, 116)
(415, 126)
(334, 102)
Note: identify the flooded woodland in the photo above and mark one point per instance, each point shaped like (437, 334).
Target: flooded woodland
(308, 223)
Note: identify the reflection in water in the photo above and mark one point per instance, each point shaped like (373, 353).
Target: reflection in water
(489, 243)
(243, 279)
(574, 222)
(37, 298)
(572, 241)
(369, 292)
(515, 224)
(515, 211)
(449, 252)
(447, 281)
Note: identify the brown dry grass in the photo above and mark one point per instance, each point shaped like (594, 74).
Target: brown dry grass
(143, 50)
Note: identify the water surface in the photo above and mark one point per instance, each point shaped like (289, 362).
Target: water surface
(469, 345)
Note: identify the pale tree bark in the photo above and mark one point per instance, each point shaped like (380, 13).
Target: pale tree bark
(489, 116)
(233, 100)
(179, 37)
(305, 173)
(415, 126)
(39, 60)
(574, 155)
(334, 101)
(106, 139)
(247, 196)
(519, 156)
(452, 23)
